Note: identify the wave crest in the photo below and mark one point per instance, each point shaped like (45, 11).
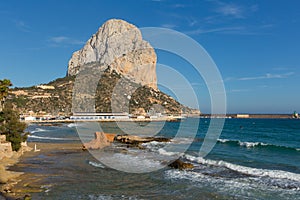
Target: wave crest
(254, 144)
(277, 174)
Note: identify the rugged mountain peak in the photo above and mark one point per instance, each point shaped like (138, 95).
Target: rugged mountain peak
(119, 45)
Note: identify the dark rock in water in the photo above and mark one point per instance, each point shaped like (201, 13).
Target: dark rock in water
(178, 164)
(99, 142)
(137, 140)
(105, 139)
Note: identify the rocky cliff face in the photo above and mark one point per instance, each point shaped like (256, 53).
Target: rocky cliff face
(119, 45)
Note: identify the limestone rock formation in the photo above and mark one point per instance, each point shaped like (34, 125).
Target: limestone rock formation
(99, 142)
(119, 45)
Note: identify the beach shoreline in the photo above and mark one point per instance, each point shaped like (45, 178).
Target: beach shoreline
(61, 170)
(9, 177)
(22, 183)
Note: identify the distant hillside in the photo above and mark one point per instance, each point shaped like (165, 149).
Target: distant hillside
(56, 97)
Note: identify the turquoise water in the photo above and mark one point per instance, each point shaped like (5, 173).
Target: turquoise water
(252, 159)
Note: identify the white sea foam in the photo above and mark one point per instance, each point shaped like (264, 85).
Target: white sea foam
(182, 140)
(72, 125)
(150, 145)
(99, 165)
(278, 174)
(48, 138)
(245, 144)
(236, 187)
(39, 130)
(169, 153)
(251, 144)
(240, 188)
(159, 148)
(111, 197)
(223, 140)
(133, 163)
(47, 188)
(154, 145)
(101, 197)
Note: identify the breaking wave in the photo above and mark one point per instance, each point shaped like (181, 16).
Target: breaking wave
(276, 174)
(94, 164)
(48, 138)
(255, 145)
(39, 130)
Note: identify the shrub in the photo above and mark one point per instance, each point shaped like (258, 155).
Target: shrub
(12, 127)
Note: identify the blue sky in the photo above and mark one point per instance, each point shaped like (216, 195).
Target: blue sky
(255, 44)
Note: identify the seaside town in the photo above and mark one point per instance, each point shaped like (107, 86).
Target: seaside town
(149, 116)
(152, 99)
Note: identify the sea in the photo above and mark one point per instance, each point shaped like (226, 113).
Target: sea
(247, 159)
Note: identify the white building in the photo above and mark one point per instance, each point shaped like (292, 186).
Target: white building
(30, 118)
(99, 116)
(46, 87)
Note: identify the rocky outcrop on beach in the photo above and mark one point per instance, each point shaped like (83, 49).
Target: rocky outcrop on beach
(5, 148)
(120, 45)
(99, 142)
(8, 157)
(105, 139)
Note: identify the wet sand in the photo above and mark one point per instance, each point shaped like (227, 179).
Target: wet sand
(30, 177)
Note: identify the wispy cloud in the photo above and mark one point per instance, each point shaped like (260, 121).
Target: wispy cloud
(59, 39)
(267, 76)
(231, 10)
(231, 14)
(192, 21)
(22, 26)
(233, 29)
(63, 40)
(170, 26)
(238, 90)
(178, 5)
(281, 68)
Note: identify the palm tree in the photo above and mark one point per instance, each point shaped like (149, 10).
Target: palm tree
(4, 86)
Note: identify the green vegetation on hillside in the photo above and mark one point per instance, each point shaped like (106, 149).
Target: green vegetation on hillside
(131, 97)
